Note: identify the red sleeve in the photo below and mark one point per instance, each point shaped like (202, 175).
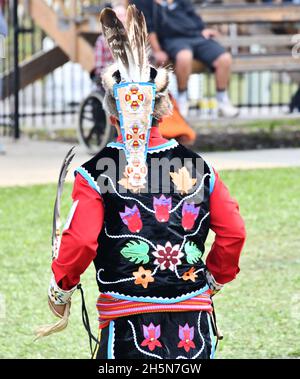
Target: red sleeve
(226, 221)
(79, 242)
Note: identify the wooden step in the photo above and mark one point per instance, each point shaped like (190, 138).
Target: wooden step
(73, 44)
(35, 68)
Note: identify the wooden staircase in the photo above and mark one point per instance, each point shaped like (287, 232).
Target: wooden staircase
(70, 45)
(71, 42)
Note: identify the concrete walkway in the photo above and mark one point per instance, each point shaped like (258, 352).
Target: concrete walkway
(33, 162)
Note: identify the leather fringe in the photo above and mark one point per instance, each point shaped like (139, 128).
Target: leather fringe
(47, 330)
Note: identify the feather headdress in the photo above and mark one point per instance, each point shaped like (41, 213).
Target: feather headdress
(136, 92)
(129, 47)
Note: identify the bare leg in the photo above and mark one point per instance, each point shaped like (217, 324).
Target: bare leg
(222, 67)
(183, 68)
(222, 73)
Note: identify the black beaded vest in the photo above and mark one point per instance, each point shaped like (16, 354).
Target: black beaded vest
(152, 240)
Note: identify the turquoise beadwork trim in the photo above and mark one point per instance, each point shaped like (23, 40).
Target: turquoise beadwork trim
(88, 177)
(162, 300)
(111, 341)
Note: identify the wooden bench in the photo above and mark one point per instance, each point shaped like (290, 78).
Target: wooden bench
(238, 14)
(262, 62)
(249, 13)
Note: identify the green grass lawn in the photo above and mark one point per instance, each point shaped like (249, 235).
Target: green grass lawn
(259, 313)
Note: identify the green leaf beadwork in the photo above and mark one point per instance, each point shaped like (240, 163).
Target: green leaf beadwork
(136, 252)
(193, 254)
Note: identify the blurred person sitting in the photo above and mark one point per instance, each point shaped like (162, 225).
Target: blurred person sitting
(179, 34)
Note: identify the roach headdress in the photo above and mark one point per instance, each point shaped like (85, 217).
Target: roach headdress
(136, 92)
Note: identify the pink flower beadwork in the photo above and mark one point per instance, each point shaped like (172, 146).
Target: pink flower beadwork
(186, 335)
(151, 334)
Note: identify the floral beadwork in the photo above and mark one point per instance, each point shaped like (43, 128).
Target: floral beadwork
(57, 295)
(190, 275)
(151, 334)
(162, 207)
(189, 215)
(186, 335)
(131, 217)
(143, 277)
(168, 256)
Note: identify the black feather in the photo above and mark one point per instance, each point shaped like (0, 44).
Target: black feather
(117, 39)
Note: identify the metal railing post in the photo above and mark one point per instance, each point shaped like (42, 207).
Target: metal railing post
(16, 70)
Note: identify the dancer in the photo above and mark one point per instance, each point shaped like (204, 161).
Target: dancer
(142, 210)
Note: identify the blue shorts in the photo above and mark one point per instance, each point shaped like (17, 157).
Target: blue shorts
(205, 50)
